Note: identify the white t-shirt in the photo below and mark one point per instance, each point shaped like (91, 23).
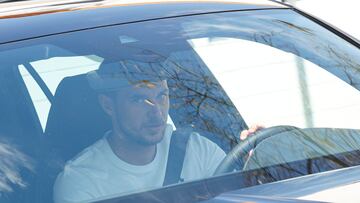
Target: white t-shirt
(97, 172)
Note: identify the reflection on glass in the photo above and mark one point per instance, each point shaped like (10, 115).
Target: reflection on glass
(12, 162)
(302, 152)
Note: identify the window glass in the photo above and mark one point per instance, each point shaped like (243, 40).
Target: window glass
(96, 114)
(296, 90)
(52, 71)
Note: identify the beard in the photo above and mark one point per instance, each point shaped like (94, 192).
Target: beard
(141, 136)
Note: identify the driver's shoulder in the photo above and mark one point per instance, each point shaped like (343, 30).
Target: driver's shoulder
(89, 155)
(80, 170)
(200, 144)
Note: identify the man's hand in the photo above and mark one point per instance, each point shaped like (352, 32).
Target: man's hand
(245, 133)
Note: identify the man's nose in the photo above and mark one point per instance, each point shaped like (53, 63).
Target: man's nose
(155, 108)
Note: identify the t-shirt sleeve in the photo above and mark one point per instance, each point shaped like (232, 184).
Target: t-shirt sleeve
(72, 186)
(208, 154)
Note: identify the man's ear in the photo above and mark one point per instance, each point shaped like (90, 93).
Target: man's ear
(107, 104)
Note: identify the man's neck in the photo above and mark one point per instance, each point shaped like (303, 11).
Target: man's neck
(130, 151)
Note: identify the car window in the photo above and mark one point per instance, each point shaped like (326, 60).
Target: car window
(93, 114)
(52, 71)
(296, 90)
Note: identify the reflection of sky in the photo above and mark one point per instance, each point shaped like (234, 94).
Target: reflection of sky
(283, 30)
(343, 14)
(262, 82)
(11, 162)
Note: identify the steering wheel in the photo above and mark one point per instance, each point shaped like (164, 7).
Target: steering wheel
(235, 158)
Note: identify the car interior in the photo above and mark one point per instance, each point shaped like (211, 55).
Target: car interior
(75, 120)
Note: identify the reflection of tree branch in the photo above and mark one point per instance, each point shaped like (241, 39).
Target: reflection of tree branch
(321, 148)
(345, 62)
(313, 158)
(296, 27)
(206, 96)
(195, 90)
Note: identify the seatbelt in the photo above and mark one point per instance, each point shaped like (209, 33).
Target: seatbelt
(178, 143)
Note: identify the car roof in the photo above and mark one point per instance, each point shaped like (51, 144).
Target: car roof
(30, 19)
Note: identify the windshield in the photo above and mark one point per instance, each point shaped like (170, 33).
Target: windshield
(119, 110)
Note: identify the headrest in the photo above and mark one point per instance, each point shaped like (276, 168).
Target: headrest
(76, 119)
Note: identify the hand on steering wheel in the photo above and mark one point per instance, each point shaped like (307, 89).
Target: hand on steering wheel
(235, 158)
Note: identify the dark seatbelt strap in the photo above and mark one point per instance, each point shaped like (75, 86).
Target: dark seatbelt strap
(178, 143)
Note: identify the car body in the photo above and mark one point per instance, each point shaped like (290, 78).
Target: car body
(226, 64)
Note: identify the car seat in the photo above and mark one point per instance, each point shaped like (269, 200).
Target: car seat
(75, 121)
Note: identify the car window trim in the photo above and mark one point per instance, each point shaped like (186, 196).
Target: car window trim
(138, 21)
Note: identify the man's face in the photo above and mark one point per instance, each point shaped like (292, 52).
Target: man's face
(141, 112)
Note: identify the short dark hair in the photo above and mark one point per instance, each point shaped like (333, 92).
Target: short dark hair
(112, 75)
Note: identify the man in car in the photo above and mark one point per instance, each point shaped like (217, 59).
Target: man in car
(133, 156)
